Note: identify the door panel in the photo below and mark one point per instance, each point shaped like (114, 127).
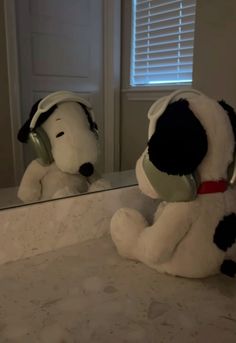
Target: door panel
(71, 62)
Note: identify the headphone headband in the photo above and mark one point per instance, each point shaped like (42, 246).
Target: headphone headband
(55, 98)
(161, 104)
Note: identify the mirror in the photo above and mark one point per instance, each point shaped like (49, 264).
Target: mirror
(52, 46)
(76, 46)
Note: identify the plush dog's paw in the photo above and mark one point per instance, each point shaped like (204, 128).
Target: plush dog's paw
(126, 226)
(30, 193)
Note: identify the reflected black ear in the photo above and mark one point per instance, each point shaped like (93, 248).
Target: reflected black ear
(231, 115)
(92, 125)
(23, 133)
(179, 142)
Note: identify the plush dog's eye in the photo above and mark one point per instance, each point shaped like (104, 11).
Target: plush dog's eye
(60, 134)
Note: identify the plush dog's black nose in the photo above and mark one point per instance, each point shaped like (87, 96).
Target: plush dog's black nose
(86, 169)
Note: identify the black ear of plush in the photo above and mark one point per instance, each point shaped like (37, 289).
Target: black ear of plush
(179, 142)
(231, 114)
(23, 133)
(92, 125)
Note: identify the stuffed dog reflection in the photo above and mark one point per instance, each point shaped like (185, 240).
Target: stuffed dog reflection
(64, 136)
(189, 163)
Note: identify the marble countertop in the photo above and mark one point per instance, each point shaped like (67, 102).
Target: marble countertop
(87, 293)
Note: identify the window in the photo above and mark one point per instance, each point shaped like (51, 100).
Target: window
(162, 42)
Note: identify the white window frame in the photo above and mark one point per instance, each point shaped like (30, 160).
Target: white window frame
(147, 92)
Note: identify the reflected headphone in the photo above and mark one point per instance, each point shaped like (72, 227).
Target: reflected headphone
(36, 135)
(186, 187)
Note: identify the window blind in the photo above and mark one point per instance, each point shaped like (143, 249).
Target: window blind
(162, 42)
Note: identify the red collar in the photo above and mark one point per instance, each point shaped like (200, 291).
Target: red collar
(212, 187)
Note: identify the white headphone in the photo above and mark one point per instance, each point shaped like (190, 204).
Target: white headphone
(56, 98)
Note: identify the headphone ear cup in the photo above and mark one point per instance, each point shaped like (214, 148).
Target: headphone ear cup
(41, 145)
(171, 188)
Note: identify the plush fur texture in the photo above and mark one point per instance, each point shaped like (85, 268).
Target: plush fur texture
(231, 115)
(74, 146)
(185, 238)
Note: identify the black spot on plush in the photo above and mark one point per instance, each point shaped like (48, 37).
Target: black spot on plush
(231, 114)
(179, 142)
(228, 268)
(25, 129)
(225, 233)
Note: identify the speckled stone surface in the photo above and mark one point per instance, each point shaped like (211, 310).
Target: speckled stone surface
(35, 229)
(87, 293)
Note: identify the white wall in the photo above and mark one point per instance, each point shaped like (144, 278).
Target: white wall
(215, 49)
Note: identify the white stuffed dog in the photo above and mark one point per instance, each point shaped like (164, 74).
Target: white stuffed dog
(190, 164)
(64, 135)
